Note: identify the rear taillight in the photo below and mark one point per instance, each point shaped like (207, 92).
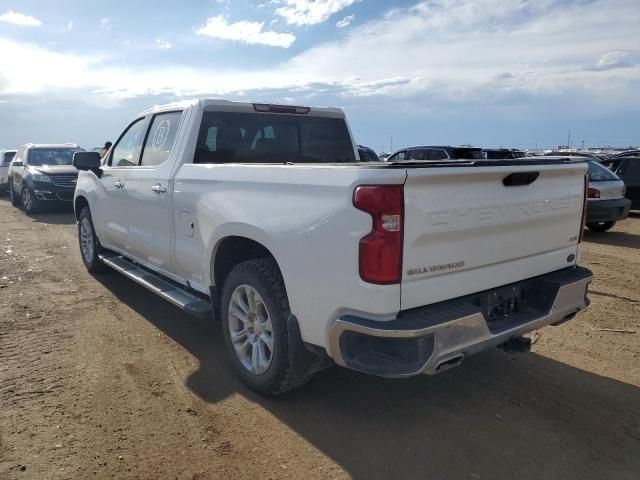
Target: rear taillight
(584, 207)
(593, 193)
(381, 250)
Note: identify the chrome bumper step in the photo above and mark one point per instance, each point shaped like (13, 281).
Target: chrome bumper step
(180, 296)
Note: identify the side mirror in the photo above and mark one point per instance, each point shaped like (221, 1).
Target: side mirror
(86, 160)
(17, 163)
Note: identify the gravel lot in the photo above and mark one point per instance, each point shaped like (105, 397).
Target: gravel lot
(101, 379)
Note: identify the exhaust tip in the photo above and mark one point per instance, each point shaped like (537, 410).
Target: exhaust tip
(450, 363)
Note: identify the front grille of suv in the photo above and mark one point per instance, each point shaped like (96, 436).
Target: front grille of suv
(64, 180)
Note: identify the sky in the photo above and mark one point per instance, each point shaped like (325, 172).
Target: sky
(492, 73)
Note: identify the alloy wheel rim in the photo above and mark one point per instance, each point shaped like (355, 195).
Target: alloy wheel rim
(251, 330)
(26, 199)
(86, 240)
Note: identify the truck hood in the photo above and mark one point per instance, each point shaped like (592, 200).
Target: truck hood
(56, 169)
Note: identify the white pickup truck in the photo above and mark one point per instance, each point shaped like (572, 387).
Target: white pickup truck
(264, 215)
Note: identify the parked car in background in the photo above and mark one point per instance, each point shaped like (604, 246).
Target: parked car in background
(503, 153)
(606, 202)
(574, 154)
(367, 154)
(42, 175)
(5, 159)
(628, 153)
(440, 152)
(264, 214)
(628, 169)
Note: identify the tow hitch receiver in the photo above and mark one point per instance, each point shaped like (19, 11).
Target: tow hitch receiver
(516, 345)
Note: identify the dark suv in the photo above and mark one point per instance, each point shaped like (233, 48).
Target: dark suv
(627, 167)
(437, 152)
(503, 153)
(43, 175)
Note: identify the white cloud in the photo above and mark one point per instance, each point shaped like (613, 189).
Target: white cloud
(345, 22)
(20, 19)
(245, 32)
(69, 27)
(164, 44)
(615, 59)
(485, 51)
(311, 12)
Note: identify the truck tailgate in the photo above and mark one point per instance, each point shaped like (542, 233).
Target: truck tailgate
(466, 231)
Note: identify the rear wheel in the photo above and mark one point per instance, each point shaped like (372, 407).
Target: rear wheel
(13, 196)
(29, 201)
(254, 313)
(600, 226)
(89, 246)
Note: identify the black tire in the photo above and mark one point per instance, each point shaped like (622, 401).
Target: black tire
(264, 276)
(600, 226)
(86, 233)
(29, 201)
(15, 200)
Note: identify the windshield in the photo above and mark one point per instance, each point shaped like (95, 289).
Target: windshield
(227, 137)
(600, 173)
(8, 156)
(51, 156)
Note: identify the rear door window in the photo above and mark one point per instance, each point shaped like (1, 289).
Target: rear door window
(228, 137)
(631, 168)
(437, 154)
(467, 154)
(161, 138)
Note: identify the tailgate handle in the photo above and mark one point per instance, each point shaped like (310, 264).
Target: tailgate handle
(518, 179)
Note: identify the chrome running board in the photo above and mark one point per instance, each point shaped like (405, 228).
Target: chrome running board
(180, 296)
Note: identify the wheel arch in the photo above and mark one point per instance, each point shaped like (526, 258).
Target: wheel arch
(232, 250)
(78, 204)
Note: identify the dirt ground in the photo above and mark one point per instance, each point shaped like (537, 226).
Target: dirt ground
(101, 379)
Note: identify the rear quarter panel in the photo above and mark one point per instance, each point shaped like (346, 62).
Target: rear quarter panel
(304, 216)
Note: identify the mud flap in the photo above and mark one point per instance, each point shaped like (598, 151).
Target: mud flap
(302, 360)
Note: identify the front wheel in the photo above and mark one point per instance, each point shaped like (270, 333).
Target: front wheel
(89, 245)
(29, 201)
(600, 226)
(254, 313)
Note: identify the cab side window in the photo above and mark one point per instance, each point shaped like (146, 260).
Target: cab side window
(418, 154)
(162, 136)
(398, 157)
(437, 154)
(126, 152)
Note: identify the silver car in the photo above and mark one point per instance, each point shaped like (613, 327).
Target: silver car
(5, 158)
(606, 203)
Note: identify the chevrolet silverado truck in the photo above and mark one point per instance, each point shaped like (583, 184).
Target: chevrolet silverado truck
(262, 216)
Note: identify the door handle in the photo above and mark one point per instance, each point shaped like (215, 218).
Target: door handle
(118, 184)
(159, 188)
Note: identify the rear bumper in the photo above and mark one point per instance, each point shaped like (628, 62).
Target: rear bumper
(608, 210)
(433, 338)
